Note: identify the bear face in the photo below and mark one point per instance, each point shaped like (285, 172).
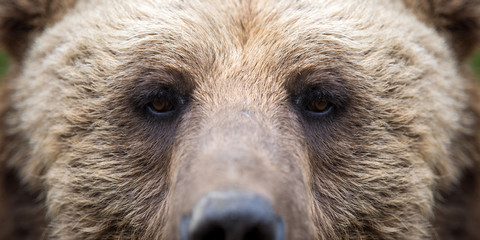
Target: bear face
(342, 120)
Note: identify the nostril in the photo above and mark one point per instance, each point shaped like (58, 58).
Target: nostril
(257, 234)
(214, 233)
(232, 216)
(219, 232)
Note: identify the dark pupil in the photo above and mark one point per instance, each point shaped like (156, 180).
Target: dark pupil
(162, 105)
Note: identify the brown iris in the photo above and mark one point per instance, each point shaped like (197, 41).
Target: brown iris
(161, 105)
(319, 105)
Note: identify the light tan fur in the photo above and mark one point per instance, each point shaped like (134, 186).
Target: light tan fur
(382, 168)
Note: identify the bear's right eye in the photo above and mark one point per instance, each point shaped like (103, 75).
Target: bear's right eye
(319, 105)
(161, 105)
(314, 103)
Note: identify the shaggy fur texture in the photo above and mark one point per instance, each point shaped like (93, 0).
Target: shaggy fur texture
(82, 157)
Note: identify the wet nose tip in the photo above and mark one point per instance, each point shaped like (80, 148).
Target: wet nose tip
(232, 216)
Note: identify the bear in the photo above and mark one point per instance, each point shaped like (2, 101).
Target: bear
(239, 119)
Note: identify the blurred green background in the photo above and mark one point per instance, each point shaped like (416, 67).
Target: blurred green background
(4, 64)
(476, 64)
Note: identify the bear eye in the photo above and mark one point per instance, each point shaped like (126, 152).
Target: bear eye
(314, 103)
(161, 105)
(165, 102)
(319, 105)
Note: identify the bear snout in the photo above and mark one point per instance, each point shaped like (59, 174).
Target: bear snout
(232, 215)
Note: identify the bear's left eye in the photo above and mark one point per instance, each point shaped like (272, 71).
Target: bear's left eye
(165, 103)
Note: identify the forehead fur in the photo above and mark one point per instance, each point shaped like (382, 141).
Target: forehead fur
(235, 32)
(243, 42)
(255, 39)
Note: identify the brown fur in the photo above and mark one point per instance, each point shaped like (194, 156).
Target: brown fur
(21, 20)
(21, 206)
(82, 158)
(459, 20)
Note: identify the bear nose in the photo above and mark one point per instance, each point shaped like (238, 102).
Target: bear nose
(232, 216)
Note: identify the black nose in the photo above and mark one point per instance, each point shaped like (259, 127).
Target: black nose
(232, 216)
